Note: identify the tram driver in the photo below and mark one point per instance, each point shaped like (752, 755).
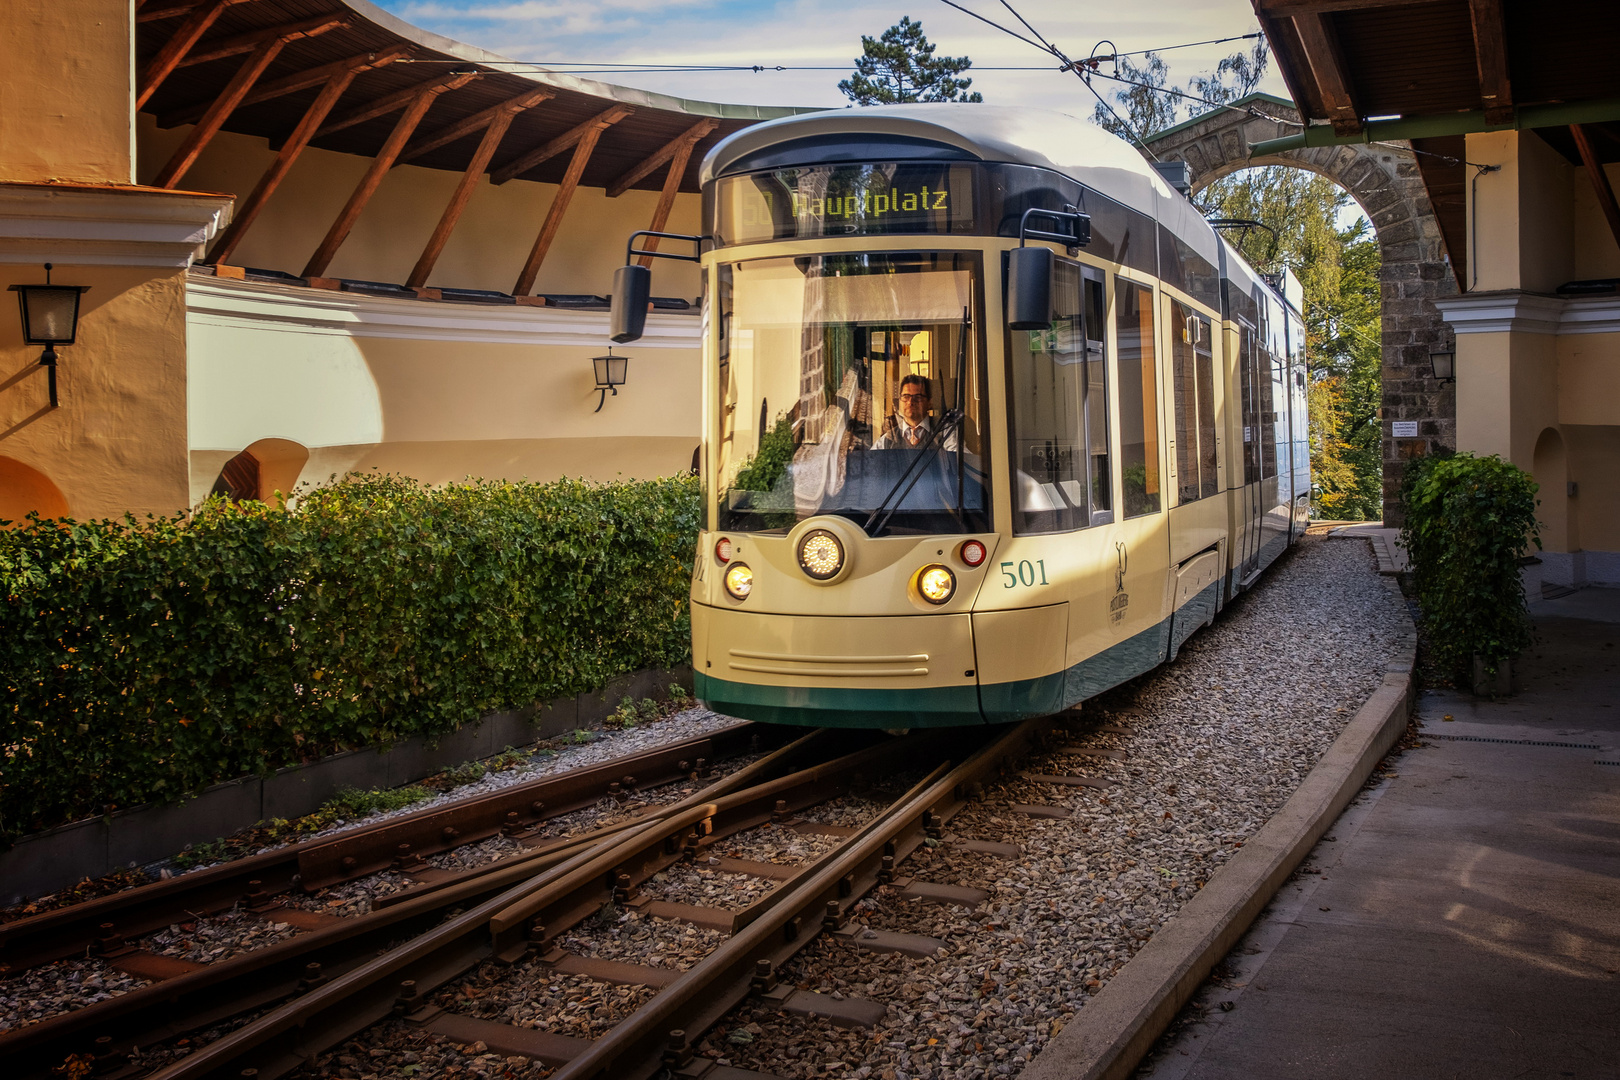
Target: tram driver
(911, 425)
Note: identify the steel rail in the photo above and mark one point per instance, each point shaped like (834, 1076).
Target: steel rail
(659, 1034)
(517, 810)
(190, 1002)
(504, 926)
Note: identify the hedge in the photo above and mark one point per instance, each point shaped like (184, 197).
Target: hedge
(142, 661)
(1469, 520)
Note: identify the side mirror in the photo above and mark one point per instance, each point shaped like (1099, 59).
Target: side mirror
(1029, 288)
(632, 289)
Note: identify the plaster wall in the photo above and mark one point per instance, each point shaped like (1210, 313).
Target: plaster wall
(435, 391)
(1524, 223)
(67, 91)
(487, 249)
(1595, 254)
(118, 441)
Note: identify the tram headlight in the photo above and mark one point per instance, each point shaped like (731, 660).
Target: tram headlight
(739, 581)
(936, 584)
(821, 555)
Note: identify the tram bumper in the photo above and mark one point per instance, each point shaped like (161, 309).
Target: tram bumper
(836, 671)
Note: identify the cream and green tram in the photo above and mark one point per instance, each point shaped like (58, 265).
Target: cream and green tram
(993, 419)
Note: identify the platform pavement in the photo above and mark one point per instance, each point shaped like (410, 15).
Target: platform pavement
(1466, 918)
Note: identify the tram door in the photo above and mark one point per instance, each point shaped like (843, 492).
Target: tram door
(1249, 375)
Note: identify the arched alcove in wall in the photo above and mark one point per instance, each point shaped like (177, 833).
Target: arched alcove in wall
(1550, 466)
(1384, 179)
(262, 469)
(25, 490)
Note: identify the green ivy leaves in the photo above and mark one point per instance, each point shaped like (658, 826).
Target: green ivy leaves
(145, 660)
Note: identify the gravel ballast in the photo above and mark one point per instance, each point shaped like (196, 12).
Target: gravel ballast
(1220, 739)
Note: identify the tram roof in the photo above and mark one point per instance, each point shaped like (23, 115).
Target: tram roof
(999, 133)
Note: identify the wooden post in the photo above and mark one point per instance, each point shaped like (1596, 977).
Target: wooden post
(666, 197)
(606, 118)
(476, 122)
(692, 135)
(1600, 179)
(559, 206)
(246, 43)
(380, 165)
(174, 50)
(201, 135)
(458, 200)
(277, 172)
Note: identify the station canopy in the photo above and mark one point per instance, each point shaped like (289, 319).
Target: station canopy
(192, 54)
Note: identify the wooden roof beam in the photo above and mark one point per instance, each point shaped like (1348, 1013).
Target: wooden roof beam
(179, 44)
(197, 140)
(422, 99)
(1285, 9)
(245, 43)
(477, 122)
(248, 209)
(666, 197)
(389, 102)
(1329, 71)
(494, 132)
(592, 127)
(291, 84)
(1490, 49)
(687, 139)
(152, 11)
(1600, 179)
(559, 205)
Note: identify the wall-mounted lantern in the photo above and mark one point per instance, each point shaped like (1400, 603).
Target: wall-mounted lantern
(1443, 362)
(50, 317)
(610, 372)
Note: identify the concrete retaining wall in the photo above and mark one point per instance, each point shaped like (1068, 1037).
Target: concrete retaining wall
(51, 860)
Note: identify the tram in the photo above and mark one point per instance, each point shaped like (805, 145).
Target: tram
(993, 420)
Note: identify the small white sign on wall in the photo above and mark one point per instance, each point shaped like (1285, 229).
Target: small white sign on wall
(1406, 429)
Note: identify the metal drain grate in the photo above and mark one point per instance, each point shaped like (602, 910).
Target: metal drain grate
(1515, 742)
(1606, 762)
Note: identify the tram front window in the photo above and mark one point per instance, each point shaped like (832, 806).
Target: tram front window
(851, 385)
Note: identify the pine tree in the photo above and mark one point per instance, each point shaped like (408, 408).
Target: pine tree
(901, 66)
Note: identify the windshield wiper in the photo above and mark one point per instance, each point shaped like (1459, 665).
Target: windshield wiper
(950, 422)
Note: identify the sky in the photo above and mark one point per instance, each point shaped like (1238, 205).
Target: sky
(802, 33)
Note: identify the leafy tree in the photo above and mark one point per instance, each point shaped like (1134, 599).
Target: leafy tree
(1142, 109)
(1147, 104)
(901, 66)
(1339, 271)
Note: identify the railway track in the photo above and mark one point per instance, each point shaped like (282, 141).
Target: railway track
(524, 924)
(101, 1037)
(184, 997)
(104, 926)
(269, 1012)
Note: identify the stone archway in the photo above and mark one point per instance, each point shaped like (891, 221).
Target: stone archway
(1384, 179)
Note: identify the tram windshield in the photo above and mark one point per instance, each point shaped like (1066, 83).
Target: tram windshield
(851, 384)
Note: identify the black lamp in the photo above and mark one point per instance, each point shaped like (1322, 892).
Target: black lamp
(1443, 362)
(50, 317)
(610, 372)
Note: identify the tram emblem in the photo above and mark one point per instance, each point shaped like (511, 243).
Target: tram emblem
(1122, 599)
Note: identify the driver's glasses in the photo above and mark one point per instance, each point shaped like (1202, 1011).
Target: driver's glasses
(913, 397)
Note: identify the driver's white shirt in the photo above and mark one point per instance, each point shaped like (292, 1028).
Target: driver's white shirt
(912, 435)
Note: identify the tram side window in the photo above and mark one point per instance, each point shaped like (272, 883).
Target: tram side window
(1138, 398)
(1203, 338)
(1058, 386)
(1192, 365)
(1268, 414)
(1251, 411)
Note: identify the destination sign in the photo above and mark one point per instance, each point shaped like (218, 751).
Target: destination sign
(843, 200)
